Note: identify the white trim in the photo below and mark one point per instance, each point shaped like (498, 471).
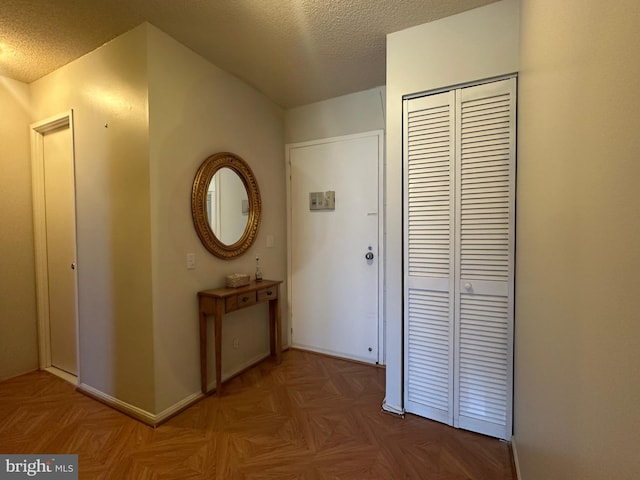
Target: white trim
(332, 353)
(381, 249)
(138, 413)
(381, 233)
(38, 130)
(287, 166)
(169, 412)
(156, 419)
(392, 408)
(516, 462)
(473, 83)
(53, 123)
(241, 368)
(131, 410)
(40, 248)
(72, 379)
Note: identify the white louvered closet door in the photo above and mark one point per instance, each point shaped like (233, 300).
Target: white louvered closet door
(480, 234)
(429, 255)
(485, 220)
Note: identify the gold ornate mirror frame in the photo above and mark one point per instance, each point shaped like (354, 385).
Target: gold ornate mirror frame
(203, 178)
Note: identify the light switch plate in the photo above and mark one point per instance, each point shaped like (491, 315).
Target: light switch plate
(322, 200)
(191, 261)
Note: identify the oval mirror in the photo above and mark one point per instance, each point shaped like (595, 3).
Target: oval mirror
(226, 205)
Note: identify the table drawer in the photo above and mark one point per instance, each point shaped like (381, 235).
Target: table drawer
(268, 293)
(240, 301)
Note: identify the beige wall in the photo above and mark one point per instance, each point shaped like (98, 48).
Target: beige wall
(576, 391)
(355, 113)
(107, 89)
(196, 110)
(578, 242)
(471, 46)
(18, 338)
(147, 112)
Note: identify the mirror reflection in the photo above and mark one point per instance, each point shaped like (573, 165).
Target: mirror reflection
(227, 206)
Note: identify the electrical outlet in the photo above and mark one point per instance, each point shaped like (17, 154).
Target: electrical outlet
(191, 261)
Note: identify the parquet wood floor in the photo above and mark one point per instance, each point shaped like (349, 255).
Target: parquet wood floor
(311, 417)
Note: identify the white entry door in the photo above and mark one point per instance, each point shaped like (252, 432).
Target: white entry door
(335, 251)
(54, 211)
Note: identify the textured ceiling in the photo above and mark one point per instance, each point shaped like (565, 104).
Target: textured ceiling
(294, 51)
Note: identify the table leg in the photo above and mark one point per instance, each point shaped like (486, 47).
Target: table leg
(218, 340)
(203, 351)
(275, 329)
(278, 331)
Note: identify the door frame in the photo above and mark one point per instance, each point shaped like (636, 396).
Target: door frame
(37, 131)
(381, 234)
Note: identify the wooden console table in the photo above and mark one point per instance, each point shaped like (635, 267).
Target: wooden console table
(224, 300)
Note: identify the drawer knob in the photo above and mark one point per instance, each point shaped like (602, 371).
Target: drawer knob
(245, 299)
(269, 292)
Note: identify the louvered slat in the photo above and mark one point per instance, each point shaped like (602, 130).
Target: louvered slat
(485, 133)
(484, 259)
(428, 352)
(459, 154)
(428, 224)
(483, 372)
(428, 163)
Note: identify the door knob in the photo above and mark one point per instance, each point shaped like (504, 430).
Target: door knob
(369, 256)
(73, 266)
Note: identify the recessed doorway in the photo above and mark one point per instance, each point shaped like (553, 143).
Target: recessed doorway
(55, 244)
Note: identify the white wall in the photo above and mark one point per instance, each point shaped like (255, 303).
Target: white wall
(18, 338)
(197, 110)
(355, 113)
(577, 389)
(107, 89)
(474, 45)
(233, 222)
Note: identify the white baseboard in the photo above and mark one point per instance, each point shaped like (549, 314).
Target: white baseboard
(149, 418)
(514, 452)
(176, 408)
(333, 353)
(239, 369)
(72, 379)
(152, 419)
(124, 407)
(392, 409)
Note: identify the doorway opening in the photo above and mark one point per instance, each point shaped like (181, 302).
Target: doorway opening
(54, 214)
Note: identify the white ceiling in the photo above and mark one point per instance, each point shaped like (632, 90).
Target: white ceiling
(294, 51)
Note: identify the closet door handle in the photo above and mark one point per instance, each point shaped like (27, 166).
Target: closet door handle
(468, 286)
